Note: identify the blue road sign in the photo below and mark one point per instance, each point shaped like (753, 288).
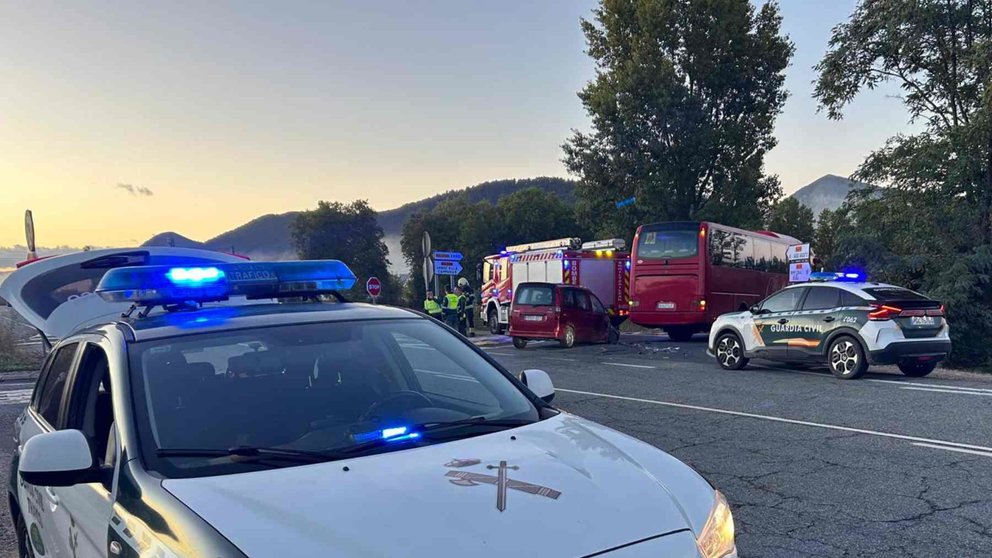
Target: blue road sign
(447, 267)
(626, 202)
(452, 256)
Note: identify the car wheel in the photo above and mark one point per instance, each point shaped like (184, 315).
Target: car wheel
(519, 342)
(494, 327)
(917, 369)
(24, 549)
(568, 339)
(613, 336)
(680, 334)
(730, 352)
(846, 359)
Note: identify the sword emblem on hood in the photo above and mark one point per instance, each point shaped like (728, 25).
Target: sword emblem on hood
(501, 479)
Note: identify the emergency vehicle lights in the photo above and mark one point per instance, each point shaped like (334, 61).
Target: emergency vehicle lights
(156, 285)
(394, 434)
(848, 276)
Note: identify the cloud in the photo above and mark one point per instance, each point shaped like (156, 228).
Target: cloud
(135, 190)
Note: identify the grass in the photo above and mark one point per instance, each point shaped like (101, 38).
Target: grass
(12, 356)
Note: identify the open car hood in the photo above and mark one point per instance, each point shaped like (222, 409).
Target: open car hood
(55, 295)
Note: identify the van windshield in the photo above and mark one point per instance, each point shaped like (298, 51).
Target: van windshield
(536, 295)
(666, 241)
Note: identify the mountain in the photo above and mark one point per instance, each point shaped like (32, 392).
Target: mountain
(268, 236)
(826, 192)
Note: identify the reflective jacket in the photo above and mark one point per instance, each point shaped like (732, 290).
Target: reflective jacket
(451, 301)
(432, 307)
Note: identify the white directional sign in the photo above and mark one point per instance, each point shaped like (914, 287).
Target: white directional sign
(798, 253)
(453, 256)
(799, 272)
(447, 267)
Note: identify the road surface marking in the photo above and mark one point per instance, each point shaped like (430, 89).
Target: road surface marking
(955, 391)
(501, 354)
(959, 450)
(627, 365)
(458, 377)
(560, 358)
(15, 396)
(780, 419)
(931, 385)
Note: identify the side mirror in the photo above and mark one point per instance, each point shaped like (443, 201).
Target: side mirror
(540, 383)
(755, 309)
(61, 458)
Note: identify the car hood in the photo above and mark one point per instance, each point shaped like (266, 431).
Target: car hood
(587, 489)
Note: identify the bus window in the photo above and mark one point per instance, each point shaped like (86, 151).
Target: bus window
(762, 254)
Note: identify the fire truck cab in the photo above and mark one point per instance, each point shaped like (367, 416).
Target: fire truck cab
(602, 266)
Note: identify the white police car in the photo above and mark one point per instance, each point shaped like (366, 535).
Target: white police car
(315, 429)
(841, 319)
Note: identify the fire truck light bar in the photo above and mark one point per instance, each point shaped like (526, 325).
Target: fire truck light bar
(567, 243)
(610, 244)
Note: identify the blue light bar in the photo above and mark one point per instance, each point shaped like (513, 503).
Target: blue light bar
(853, 276)
(172, 285)
(394, 434)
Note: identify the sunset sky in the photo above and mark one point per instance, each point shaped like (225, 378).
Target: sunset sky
(120, 120)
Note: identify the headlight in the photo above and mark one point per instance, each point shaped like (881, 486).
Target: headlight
(717, 538)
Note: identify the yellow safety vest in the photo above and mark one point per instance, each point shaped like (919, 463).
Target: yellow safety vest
(452, 300)
(432, 307)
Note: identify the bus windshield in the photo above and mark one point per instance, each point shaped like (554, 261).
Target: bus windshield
(668, 241)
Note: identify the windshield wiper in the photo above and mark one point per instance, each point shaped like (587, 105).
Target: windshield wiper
(250, 451)
(417, 430)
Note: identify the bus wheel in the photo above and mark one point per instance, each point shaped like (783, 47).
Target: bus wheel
(680, 334)
(730, 352)
(519, 342)
(494, 323)
(846, 359)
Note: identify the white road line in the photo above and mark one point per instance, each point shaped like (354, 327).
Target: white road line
(501, 354)
(560, 358)
(954, 391)
(447, 375)
(959, 450)
(931, 385)
(627, 365)
(780, 419)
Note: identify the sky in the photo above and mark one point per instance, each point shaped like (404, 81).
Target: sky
(121, 120)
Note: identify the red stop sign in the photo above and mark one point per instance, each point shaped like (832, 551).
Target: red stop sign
(373, 286)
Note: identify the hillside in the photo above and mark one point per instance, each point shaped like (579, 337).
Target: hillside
(826, 192)
(268, 236)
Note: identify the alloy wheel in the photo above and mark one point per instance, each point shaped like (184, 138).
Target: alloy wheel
(844, 357)
(728, 351)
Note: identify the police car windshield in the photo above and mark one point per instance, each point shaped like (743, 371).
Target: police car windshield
(309, 388)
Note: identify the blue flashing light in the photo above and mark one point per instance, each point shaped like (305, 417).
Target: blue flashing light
(393, 432)
(255, 280)
(567, 264)
(626, 265)
(852, 276)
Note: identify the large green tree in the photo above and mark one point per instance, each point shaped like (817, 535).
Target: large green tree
(930, 228)
(791, 217)
(682, 107)
(350, 233)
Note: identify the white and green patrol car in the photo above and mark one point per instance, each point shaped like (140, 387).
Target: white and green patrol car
(846, 321)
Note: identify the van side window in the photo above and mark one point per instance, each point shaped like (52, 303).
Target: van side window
(50, 395)
(568, 296)
(582, 300)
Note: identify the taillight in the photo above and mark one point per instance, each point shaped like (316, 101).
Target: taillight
(557, 309)
(883, 312)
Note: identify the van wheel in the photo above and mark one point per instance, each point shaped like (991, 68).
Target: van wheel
(24, 549)
(494, 327)
(730, 352)
(519, 342)
(917, 369)
(846, 359)
(568, 339)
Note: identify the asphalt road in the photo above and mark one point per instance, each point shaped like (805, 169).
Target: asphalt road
(813, 466)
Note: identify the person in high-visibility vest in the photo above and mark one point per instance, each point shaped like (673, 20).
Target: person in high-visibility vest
(469, 295)
(462, 309)
(431, 306)
(450, 307)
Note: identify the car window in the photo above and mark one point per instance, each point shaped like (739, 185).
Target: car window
(315, 387)
(50, 394)
(597, 306)
(821, 298)
(536, 295)
(582, 300)
(782, 301)
(888, 294)
(90, 407)
(848, 298)
(568, 298)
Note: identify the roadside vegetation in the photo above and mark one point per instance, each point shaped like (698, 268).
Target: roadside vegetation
(12, 356)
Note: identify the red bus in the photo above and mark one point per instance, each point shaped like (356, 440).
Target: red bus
(685, 274)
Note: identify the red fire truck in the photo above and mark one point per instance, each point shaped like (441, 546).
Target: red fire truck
(602, 266)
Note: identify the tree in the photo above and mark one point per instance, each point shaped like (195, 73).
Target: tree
(930, 228)
(682, 106)
(531, 215)
(348, 233)
(830, 225)
(791, 217)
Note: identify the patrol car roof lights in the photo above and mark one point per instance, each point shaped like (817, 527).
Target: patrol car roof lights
(168, 285)
(850, 276)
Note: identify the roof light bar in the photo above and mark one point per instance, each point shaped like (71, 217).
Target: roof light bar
(611, 244)
(567, 243)
(154, 285)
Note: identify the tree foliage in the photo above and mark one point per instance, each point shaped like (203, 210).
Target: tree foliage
(930, 228)
(791, 217)
(348, 233)
(682, 106)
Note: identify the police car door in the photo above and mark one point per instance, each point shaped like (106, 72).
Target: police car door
(817, 318)
(772, 323)
(40, 504)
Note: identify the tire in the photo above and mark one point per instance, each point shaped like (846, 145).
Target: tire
(493, 320)
(680, 334)
(613, 336)
(568, 338)
(730, 352)
(917, 369)
(519, 342)
(846, 359)
(24, 549)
